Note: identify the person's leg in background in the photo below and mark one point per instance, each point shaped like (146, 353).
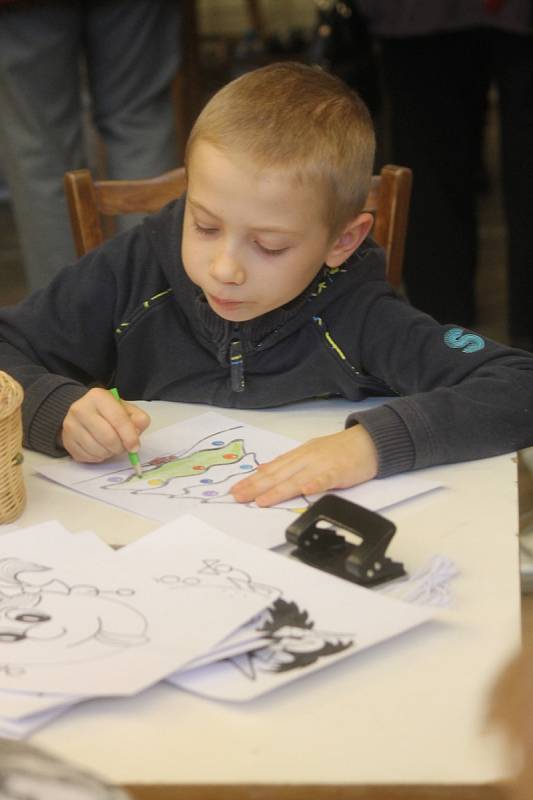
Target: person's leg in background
(40, 128)
(436, 86)
(513, 68)
(133, 54)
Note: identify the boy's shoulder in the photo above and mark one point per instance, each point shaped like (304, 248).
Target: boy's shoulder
(159, 233)
(144, 257)
(366, 268)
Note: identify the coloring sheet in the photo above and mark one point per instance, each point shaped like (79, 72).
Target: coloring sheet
(105, 627)
(312, 619)
(22, 712)
(190, 467)
(299, 619)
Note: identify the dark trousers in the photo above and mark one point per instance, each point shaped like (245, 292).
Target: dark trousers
(437, 87)
(130, 49)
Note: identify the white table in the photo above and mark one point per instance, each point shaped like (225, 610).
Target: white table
(403, 719)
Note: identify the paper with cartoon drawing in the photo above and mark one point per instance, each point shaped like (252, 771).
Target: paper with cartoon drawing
(106, 627)
(190, 467)
(312, 619)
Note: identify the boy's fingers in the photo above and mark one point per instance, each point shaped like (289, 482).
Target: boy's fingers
(140, 419)
(330, 462)
(82, 444)
(91, 456)
(97, 437)
(116, 414)
(128, 435)
(279, 480)
(264, 479)
(279, 493)
(98, 426)
(304, 482)
(98, 416)
(245, 490)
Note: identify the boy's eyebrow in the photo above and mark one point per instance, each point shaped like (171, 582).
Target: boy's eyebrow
(200, 207)
(276, 229)
(261, 229)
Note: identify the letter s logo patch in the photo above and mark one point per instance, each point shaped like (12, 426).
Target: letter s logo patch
(457, 339)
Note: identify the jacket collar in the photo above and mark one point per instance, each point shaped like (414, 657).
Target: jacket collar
(165, 230)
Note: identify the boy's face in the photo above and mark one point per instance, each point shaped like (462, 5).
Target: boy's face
(252, 240)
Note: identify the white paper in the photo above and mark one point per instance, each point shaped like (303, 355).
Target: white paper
(429, 586)
(106, 626)
(8, 526)
(314, 620)
(190, 467)
(31, 542)
(21, 728)
(17, 705)
(236, 649)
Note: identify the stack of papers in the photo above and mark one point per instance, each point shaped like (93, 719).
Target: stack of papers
(186, 604)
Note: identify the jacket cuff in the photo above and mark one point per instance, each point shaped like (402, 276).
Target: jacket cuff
(393, 442)
(42, 427)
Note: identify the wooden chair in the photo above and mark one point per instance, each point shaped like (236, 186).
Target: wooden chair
(92, 201)
(388, 200)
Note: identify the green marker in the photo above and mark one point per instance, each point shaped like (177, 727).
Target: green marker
(133, 457)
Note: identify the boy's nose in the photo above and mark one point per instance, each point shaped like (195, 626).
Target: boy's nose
(226, 268)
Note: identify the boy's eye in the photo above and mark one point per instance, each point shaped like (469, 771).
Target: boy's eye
(205, 230)
(271, 251)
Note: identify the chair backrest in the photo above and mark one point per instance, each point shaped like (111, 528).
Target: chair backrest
(91, 201)
(388, 200)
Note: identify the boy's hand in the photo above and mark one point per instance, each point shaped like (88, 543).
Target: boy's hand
(98, 427)
(330, 462)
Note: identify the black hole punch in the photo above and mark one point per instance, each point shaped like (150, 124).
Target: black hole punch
(319, 544)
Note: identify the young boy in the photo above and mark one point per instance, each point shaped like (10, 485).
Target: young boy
(260, 288)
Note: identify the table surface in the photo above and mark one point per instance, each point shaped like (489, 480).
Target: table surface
(406, 713)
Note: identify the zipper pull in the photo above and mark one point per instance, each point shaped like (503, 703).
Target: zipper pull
(236, 364)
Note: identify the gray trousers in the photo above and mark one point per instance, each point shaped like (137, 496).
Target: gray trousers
(129, 51)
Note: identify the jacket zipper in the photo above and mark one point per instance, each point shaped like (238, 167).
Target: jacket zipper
(236, 363)
(333, 347)
(339, 354)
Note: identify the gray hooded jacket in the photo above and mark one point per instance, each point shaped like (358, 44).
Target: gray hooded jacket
(127, 315)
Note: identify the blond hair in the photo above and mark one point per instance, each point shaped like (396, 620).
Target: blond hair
(300, 119)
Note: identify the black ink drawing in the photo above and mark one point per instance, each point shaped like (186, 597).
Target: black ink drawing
(294, 642)
(52, 622)
(214, 573)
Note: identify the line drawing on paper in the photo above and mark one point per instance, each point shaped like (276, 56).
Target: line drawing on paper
(216, 574)
(203, 472)
(294, 642)
(45, 622)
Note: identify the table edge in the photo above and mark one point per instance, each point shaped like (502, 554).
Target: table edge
(487, 791)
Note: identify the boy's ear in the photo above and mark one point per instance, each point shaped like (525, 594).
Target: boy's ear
(349, 240)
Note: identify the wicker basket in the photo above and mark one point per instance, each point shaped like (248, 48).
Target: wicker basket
(12, 491)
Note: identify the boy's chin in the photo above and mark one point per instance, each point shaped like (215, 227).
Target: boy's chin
(235, 316)
(233, 312)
